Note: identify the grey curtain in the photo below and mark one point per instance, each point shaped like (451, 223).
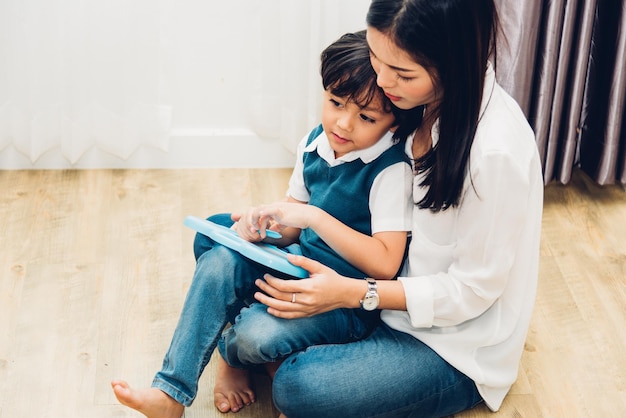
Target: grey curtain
(564, 62)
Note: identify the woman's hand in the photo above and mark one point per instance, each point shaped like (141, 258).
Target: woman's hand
(323, 291)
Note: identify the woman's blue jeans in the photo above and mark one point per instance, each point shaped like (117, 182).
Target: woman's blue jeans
(388, 374)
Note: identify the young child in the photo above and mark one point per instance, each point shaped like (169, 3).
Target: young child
(356, 182)
(346, 183)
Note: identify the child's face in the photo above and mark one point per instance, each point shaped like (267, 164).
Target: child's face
(405, 82)
(350, 127)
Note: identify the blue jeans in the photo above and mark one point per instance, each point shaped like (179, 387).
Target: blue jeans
(388, 374)
(222, 283)
(257, 337)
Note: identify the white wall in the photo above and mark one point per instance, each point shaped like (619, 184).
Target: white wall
(210, 57)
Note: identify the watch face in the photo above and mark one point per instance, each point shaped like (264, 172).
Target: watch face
(370, 302)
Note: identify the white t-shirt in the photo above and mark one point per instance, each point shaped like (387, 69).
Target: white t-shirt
(471, 277)
(390, 195)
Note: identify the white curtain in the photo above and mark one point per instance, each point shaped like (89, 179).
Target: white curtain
(83, 74)
(80, 73)
(287, 88)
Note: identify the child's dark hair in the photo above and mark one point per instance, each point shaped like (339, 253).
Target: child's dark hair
(452, 40)
(347, 71)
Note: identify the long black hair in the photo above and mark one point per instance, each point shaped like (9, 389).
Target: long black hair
(452, 40)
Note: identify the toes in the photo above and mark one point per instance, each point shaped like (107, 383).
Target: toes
(235, 402)
(221, 402)
(122, 392)
(248, 397)
(120, 383)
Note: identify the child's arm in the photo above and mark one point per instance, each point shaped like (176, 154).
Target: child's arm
(391, 205)
(378, 256)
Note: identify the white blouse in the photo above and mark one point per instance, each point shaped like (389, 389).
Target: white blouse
(471, 276)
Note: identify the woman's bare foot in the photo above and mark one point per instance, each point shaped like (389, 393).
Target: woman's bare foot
(232, 389)
(151, 402)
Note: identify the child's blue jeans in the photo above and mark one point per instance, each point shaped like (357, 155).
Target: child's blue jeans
(223, 285)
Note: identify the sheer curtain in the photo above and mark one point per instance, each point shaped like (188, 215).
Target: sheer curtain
(81, 73)
(564, 62)
(286, 92)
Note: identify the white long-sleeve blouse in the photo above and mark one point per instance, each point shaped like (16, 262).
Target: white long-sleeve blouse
(471, 276)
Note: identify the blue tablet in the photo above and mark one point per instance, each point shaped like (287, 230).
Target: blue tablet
(267, 254)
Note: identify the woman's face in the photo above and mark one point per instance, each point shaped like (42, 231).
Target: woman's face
(405, 82)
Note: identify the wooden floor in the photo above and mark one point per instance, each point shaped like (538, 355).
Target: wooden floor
(94, 266)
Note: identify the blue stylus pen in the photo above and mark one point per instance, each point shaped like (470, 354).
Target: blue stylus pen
(272, 234)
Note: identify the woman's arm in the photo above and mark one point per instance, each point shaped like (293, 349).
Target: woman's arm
(463, 261)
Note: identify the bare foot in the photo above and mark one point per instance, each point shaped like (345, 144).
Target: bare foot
(151, 402)
(232, 389)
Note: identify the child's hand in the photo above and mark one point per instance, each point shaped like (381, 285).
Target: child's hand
(295, 215)
(247, 225)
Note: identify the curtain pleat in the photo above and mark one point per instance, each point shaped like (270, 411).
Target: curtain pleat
(603, 144)
(568, 76)
(286, 95)
(77, 74)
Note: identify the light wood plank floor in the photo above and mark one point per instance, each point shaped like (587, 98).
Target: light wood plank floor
(94, 266)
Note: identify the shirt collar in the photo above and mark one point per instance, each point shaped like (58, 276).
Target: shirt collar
(490, 83)
(366, 155)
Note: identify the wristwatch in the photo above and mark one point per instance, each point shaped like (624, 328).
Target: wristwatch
(370, 300)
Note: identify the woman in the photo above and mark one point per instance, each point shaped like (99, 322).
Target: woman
(455, 321)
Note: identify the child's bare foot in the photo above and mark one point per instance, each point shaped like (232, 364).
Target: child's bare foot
(151, 402)
(232, 389)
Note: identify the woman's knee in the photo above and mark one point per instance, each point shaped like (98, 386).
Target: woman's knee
(295, 390)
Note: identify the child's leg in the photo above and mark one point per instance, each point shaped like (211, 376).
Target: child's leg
(201, 242)
(222, 279)
(258, 337)
(151, 402)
